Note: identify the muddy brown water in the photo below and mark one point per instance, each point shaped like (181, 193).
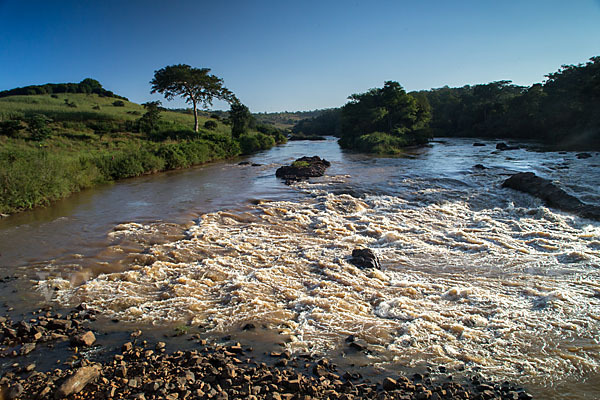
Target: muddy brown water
(474, 277)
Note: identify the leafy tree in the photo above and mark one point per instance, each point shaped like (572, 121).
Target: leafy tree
(149, 121)
(240, 118)
(195, 85)
(389, 110)
(89, 85)
(38, 127)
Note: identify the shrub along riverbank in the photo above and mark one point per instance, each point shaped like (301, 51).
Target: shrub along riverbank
(55, 145)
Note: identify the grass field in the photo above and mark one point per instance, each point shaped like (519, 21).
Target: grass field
(91, 141)
(87, 107)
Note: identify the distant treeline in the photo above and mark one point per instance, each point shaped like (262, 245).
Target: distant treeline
(87, 85)
(329, 123)
(563, 111)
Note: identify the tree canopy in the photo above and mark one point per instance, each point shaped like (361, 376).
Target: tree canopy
(394, 115)
(195, 85)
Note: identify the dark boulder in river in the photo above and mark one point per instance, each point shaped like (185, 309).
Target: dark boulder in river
(477, 144)
(581, 156)
(552, 195)
(303, 168)
(364, 258)
(504, 146)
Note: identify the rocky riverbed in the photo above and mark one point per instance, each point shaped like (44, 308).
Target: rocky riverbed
(143, 369)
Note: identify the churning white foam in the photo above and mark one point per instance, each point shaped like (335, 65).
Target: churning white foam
(513, 291)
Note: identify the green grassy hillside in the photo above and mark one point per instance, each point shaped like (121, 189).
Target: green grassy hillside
(54, 145)
(79, 107)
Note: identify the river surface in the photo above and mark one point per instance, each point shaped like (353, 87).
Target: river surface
(474, 277)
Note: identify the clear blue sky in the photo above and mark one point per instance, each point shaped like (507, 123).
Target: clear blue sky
(294, 55)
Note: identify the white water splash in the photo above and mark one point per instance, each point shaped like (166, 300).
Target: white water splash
(513, 291)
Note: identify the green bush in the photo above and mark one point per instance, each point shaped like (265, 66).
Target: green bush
(38, 127)
(161, 135)
(173, 156)
(118, 103)
(280, 138)
(376, 142)
(10, 128)
(300, 164)
(210, 125)
(251, 143)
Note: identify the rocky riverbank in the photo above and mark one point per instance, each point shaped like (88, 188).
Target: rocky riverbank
(142, 369)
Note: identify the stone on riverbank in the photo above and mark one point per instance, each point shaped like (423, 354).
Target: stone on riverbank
(76, 382)
(84, 339)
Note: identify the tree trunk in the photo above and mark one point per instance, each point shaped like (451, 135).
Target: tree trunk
(195, 115)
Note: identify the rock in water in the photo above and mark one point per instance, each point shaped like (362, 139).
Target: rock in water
(504, 146)
(552, 195)
(365, 258)
(303, 168)
(76, 382)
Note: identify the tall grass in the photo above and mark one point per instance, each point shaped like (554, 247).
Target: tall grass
(31, 177)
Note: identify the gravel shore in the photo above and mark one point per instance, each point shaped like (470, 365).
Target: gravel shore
(142, 369)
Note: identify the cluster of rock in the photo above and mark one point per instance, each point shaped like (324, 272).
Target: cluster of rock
(22, 337)
(140, 370)
(303, 168)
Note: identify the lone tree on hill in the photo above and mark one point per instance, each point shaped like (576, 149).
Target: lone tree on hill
(195, 85)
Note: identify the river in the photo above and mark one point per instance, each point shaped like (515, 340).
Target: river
(474, 277)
